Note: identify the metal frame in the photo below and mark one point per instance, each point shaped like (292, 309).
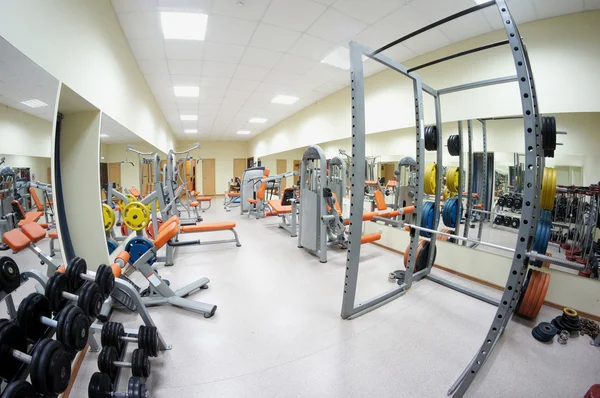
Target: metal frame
(532, 180)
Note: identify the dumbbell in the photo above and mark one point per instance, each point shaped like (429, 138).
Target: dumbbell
(516, 222)
(113, 334)
(77, 273)
(71, 324)
(19, 389)
(89, 297)
(50, 363)
(501, 201)
(507, 220)
(101, 387)
(499, 220)
(510, 201)
(108, 362)
(10, 277)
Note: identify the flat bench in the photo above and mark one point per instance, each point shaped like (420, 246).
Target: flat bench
(201, 227)
(31, 217)
(278, 208)
(198, 203)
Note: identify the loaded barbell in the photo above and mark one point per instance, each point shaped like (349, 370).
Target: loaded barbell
(108, 362)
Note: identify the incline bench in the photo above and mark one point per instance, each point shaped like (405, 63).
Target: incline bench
(202, 227)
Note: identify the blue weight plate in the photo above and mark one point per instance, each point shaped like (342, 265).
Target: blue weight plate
(112, 245)
(137, 247)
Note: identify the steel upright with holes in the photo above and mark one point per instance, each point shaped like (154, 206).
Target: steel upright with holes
(532, 177)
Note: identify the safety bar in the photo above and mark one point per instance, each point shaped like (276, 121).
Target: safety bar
(195, 145)
(436, 24)
(482, 83)
(131, 148)
(280, 176)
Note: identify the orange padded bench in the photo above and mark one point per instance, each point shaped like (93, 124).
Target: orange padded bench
(34, 232)
(205, 227)
(31, 217)
(202, 199)
(134, 191)
(278, 208)
(16, 240)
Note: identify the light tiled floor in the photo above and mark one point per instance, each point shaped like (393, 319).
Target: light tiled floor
(278, 331)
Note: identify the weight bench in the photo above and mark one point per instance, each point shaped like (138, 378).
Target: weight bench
(204, 227)
(26, 238)
(197, 204)
(143, 253)
(288, 213)
(231, 198)
(53, 235)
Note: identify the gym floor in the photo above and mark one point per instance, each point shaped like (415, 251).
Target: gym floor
(277, 331)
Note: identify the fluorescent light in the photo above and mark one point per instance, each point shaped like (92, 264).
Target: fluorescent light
(34, 103)
(257, 120)
(183, 25)
(102, 158)
(189, 117)
(244, 132)
(340, 58)
(103, 135)
(186, 91)
(190, 131)
(480, 1)
(284, 99)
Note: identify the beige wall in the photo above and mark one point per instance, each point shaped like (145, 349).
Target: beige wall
(81, 44)
(130, 176)
(270, 162)
(24, 134)
(564, 52)
(38, 165)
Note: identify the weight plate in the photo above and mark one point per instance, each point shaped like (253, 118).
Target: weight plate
(507, 221)
(108, 216)
(515, 223)
(75, 268)
(431, 138)
(140, 364)
(10, 276)
(452, 177)
(11, 336)
(136, 216)
(427, 218)
(499, 220)
(19, 389)
(30, 310)
(56, 285)
(137, 247)
(90, 299)
(430, 179)
(76, 327)
(136, 388)
(107, 356)
(112, 245)
(100, 385)
(148, 339)
(501, 201)
(545, 282)
(105, 279)
(150, 227)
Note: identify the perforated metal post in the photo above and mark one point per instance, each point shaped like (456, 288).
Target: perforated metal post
(440, 180)
(469, 180)
(483, 196)
(461, 187)
(519, 263)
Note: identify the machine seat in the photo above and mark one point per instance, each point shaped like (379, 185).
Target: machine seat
(31, 217)
(34, 232)
(16, 240)
(206, 227)
(278, 208)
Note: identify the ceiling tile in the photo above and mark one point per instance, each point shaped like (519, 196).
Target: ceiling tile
(281, 77)
(243, 84)
(159, 80)
(552, 8)
(148, 48)
(312, 47)
(141, 25)
(241, 94)
(274, 38)
(293, 14)
(229, 30)
(330, 87)
(260, 57)
(218, 69)
(402, 21)
(185, 5)
(185, 67)
(220, 52)
(191, 107)
(294, 64)
(434, 10)
(521, 10)
(427, 41)
(184, 49)
(251, 9)
(250, 72)
(370, 11)
(153, 67)
(336, 27)
(185, 80)
(400, 53)
(215, 82)
(592, 4)
(326, 2)
(466, 27)
(134, 5)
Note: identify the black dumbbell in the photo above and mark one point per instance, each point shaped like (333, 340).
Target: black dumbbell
(499, 220)
(510, 201)
(77, 273)
(113, 334)
(507, 220)
(10, 277)
(19, 389)
(101, 387)
(108, 362)
(501, 201)
(516, 222)
(71, 324)
(50, 363)
(89, 297)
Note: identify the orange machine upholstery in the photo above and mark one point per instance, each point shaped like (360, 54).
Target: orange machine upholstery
(253, 201)
(166, 235)
(53, 234)
(134, 191)
(204, 198)
(194, 204)
(206, 227)
(368, 238)
(116, 269)
(278, 208)
(392, 183)
(260, 194)
(123, 256)
(34, 232)
(16, 240)
(31, 217)
(172, 219)
(35, 198)
(380, 200)
(232, 193)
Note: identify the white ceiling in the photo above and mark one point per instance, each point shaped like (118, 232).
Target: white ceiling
(117, 134)
(21, 79)
(261, 48)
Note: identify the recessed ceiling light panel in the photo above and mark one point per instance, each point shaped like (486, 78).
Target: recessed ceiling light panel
(258, 120)
(186, 91)
(243, 132)
(284, 99)
(34, 103)
(189, 117)
(190, 131)
(183, 25)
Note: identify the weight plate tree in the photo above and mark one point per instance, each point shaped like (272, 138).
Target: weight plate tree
(534, 164)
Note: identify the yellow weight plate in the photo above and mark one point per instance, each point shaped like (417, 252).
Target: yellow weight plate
(548, 189)
(452, 179)
(150, 207)
(130, 199)
(108, 215)
(136, 216)
(430, 179)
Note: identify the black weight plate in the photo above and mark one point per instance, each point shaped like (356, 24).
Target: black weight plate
(55, 362)
(510, 201)
(107, 356)
(552, 140)
(76, 267)
(108, 337)
(36, 372)
(19, 389)
(76, 328)
(545, 133)
(10, 277)
(515, 223)
(507, 221)
(100, 386)
(499, 220)
(62, 334)
(136, 388)
(547, 329)
(30, 310)
(148, 339)
(90, 299)
(536, 335)
(140, 364)
(117, 331)
(11, 336)
(105, 280)
(501, 201)
(56, 285)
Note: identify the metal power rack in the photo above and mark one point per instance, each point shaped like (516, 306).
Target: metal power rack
(532, 176)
